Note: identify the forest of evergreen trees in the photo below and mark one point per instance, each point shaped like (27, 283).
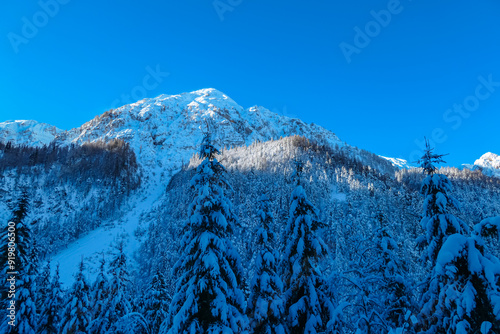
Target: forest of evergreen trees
(72, 189)
(285, 237)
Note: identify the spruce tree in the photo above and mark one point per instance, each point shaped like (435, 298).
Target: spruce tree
(25, 268)
(438, 223)
(307, 306)
(77, 313)
(464, 296)
(265, 304)
(208, 297)
(43, 286)
(99, 294)
(117, 304)
(156, 302)
(50, 317)
(462, 292)
(26, 296)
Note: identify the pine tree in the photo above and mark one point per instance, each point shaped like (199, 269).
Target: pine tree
(156, 302)
(117, 304)
(26, 299)
(462, 292)
(50, 317)
(308, 308)
(438, 223)
(43, 287)
(77, 314)
(208, 298)
(265, 304)
(464, 296)
(25, 266)
(11, 239)
(99, 294)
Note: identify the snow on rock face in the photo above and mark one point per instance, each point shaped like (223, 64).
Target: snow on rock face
(489, 159)
(28, 132)
(398, 162)
(165, 131)
(489, 163)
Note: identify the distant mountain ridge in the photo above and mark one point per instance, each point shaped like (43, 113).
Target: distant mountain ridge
(165, 131)
(28, 132)
(488, 164)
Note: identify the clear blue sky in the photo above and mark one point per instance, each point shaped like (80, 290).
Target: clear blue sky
(284, 55)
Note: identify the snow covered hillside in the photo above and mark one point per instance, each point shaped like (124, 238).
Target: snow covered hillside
(165, 131)
(489, 163)
(29, 133)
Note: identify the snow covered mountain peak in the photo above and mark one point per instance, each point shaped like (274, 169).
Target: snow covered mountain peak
(28, 132)
(489, 160)
(164, 131)
(398, 162)
(489, 164)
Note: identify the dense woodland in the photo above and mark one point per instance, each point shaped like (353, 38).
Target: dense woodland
(72, 189)
(285, 236)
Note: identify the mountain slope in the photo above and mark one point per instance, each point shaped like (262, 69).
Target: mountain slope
(164, 131)
(31, 133)
(489, 163)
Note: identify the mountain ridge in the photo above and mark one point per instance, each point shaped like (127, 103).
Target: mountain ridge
(164, 131)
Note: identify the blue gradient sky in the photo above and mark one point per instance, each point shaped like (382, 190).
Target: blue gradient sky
(284, 55)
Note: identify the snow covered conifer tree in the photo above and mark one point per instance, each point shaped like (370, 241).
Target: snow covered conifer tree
(438, 223)
(464, 294)
(26, 264)
(265, 303)
(208, 297)
(396, 288)
(19, 212)
(117, 304)
(26, 295)
(43, 286)
(156, 302)
(381, 295)
(77, 314)
(308, 308)
(50, 317)
(99, 294)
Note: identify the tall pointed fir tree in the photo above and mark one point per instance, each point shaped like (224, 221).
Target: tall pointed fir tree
(156, 302)
(25, 264)
(265, 304)
(50, 316)
(208, 297)
(438, 223)
(118, 303)
(43, 286)
(464, 296)
(462, 292)
(77, 313)
(308, 308)
(99, 294)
